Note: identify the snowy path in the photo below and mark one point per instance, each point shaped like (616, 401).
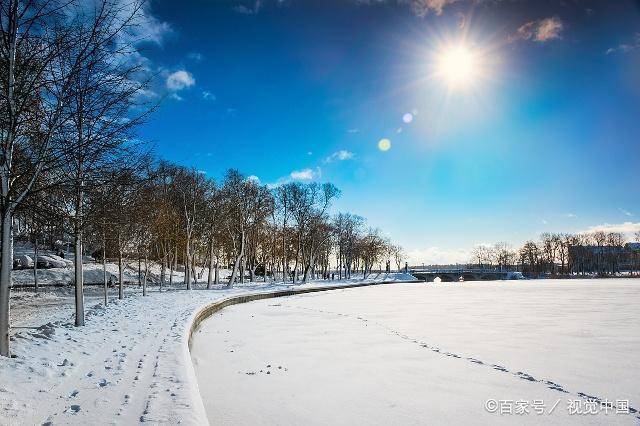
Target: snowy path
(129, 364)
(425, 354)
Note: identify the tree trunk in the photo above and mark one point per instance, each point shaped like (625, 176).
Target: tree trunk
(146, 271)
(104, 267)
(163, 271)
(187, 264)
(309, 267)
(79, 296)
(236, 264)
(284, 250)
(210, 276)
(35, 265)
(171, 265)
(295, 268)
(194, 275)
(120, 277)
(6, 265)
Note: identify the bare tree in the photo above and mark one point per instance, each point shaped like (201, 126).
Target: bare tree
(99, 124)
(348, 229)
(398, 256)
(32, 98)
(504, 255)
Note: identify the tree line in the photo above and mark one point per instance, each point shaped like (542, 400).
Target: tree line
(562, 254)
(74, 92)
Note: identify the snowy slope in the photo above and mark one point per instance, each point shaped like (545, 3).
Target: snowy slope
(93, 274)
(129, 364)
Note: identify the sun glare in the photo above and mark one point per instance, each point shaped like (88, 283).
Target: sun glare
(457, 66)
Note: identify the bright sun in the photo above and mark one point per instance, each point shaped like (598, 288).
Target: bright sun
(457, 66)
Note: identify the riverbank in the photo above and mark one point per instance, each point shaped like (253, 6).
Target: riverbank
(129, 364)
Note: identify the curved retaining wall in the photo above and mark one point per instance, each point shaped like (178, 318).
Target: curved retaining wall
(214, 307)
(196, 413)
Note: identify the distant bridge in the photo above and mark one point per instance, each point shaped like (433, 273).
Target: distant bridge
(463, 274)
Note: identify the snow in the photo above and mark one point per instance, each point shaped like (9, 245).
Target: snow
(424, 354)
(92, 273)
(129, 364)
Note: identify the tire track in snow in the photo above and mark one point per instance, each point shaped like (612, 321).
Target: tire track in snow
(497, 367)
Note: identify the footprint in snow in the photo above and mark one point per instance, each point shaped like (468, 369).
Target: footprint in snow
(525, 376)
(103, 382)
(74, 409)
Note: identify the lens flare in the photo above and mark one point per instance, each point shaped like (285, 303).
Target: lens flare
(384, 145)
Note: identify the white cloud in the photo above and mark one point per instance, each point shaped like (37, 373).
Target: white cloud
(423, 7)
(307, 174)
(206, 95)
(540, 31)
(627, 228)
(419, 7)
(147, 94)
(176, 97)
(253, 9)
(549, 29)
(254, 178)
(145, 27)
(304, 174)
(626, 47)
(141, 27)
(570, 215)
(341, 155)
(180, 80)
(195, 56)
(625, 212)
(354, 130)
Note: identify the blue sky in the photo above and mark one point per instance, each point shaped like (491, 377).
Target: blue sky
(546, 137)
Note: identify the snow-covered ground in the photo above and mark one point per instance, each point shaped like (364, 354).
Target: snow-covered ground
(92, 273)
(129, 364)
(427, 354)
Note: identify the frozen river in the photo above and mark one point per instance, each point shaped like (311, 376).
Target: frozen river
(427, 354)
